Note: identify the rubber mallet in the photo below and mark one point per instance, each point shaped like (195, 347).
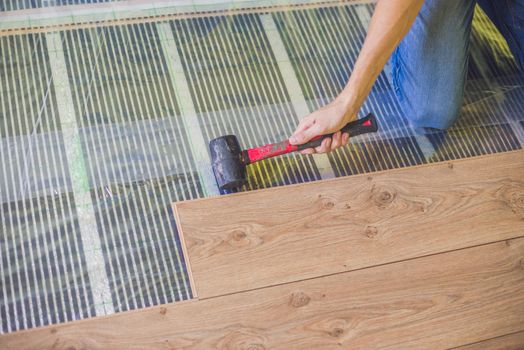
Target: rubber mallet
(229, 161)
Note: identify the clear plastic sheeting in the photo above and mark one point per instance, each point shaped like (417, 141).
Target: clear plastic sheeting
(102, 128)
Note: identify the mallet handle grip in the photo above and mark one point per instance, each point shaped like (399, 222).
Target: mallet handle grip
(354, 128)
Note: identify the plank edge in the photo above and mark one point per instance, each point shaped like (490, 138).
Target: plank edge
(489, 340)
(185, 253)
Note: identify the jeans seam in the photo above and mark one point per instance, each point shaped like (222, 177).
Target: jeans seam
(395, 72)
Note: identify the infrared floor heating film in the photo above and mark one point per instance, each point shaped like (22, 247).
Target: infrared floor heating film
(32, 150)
(42, 258)
(32, 165)
(474, 141)
(42, 263)
(138, 156)
(237, 89)
(512, 97)
(144, 269)
(376, 155)
(484, 106)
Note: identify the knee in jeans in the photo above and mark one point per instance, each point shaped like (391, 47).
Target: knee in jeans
(438, 114)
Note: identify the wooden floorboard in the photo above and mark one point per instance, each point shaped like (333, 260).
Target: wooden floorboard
(270, 237)
(514, 341)
(434, 302)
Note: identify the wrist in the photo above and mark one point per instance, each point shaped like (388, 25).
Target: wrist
(349, 104)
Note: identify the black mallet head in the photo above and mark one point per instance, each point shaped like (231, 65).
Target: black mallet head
(228, 162)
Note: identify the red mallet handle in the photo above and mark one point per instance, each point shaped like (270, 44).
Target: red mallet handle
(354, 128)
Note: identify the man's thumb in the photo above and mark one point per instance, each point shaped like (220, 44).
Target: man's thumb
(303, 136)
(296, 139)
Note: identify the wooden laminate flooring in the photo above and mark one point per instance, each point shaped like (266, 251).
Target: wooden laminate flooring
(429, 257)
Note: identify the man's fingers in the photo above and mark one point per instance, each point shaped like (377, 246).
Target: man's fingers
(308, 151)
(329, 144)
(336, 141)
(345, 139)
(325, 146)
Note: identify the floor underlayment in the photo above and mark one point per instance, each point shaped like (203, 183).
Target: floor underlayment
(102, 128)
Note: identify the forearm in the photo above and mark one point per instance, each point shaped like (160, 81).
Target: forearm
(391, 21)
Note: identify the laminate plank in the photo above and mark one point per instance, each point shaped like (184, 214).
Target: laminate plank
(514, 341)
(432, 302)
(269, 237)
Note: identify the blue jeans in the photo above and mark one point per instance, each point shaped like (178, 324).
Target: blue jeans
(429, 66)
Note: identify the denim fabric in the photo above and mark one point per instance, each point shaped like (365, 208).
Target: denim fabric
(429, 66)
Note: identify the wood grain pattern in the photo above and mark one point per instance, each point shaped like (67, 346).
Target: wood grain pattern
(269, 237)
(514, 341)
(433, 302)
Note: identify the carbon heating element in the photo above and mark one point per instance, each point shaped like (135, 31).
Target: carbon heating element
(229, 161)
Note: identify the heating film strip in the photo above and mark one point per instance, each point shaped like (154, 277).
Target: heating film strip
(42, 262)
(138, 157)
(138, 154)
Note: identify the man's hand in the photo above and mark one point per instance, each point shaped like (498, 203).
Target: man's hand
(325, 120)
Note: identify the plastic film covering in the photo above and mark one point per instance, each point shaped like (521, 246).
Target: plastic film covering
(103, 128)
